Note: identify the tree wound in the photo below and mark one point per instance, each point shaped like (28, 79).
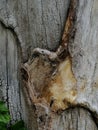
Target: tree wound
(59, 90)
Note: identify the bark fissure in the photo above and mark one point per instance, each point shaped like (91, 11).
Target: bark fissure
(7, 86)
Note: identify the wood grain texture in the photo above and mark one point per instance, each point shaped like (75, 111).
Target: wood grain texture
(40, 23)
(84, 52)
(9, 63)
(74, 119)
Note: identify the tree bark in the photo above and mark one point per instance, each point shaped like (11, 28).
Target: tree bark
(25, 25)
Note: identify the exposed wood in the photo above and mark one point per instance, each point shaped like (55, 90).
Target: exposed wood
(84, 54)
(53, 92)
(40, 24)
(82, 84)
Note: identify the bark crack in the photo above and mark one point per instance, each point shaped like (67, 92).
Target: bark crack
(7, 86)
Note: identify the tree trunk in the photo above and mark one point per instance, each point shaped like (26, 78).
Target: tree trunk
(45, 90)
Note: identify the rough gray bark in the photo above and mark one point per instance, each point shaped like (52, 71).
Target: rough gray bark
(9, 77)
(28, 24)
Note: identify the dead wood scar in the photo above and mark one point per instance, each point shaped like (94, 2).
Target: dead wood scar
(48, 75)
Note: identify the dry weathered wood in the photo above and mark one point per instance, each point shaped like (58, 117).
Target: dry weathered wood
(9, 71)
(62, 90)
(40, 24)
(89, 59)
(84, 54)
